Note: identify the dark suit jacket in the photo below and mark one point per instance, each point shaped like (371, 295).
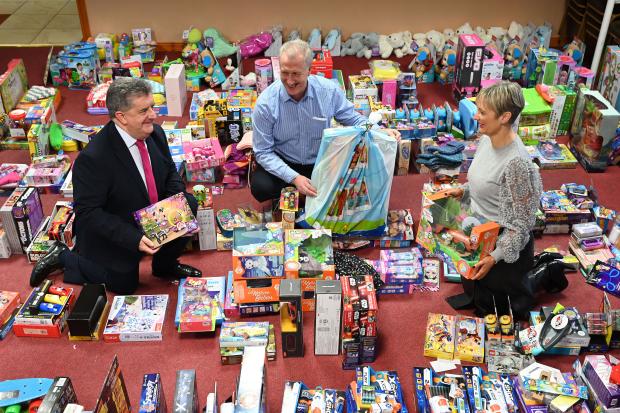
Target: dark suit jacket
(107, 190)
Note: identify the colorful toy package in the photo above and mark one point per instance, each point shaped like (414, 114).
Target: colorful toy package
(167, 219)
(439, 341)
(308, 253)
(375, 391)
(450, 226)
(353, 176)
(258, 252)
(198, 309)
(439, 393)
(469, 339)
(489, 392)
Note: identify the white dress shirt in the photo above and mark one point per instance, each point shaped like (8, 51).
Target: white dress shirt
(133, 150)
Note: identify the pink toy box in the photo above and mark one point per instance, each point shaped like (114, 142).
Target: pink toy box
(492, 67)
(202, 154)
(468, 70)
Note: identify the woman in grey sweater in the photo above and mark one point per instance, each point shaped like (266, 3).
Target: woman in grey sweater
(504, 186)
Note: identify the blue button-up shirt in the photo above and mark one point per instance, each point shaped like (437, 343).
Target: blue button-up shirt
(291, 130)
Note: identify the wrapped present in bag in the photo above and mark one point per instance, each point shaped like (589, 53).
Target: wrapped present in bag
(353, 178)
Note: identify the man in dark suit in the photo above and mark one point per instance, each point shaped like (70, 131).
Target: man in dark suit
(126, 167)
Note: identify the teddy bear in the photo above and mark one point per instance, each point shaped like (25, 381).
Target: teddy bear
(387, 43)
(464, 29)
(353, 45)
(370, 41)
(406, 48)
(294, 35)
(314, 39)
(274, 47)
(332, 42)
(450, 35)
(497, 35)
(436, 38)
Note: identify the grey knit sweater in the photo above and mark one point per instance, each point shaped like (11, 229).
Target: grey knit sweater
(504, 186)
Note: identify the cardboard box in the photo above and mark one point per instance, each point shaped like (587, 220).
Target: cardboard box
(328, 297)
(542, 65)
(152, 399)
(439, 340)
(492, 67)
(562, 109)
(291, 318)
(362, 87)
(309, 256)
(322, 64)
(536, 110)
(469, 334)
(249, 291)
(186, 393)
(609, 80)
(89, 307)
(58, 396)
(13, 84)
(258, 252)
(403, 157)
(207, 236)
(251, 392)
(440, 230)
(468, 69)
(176, 90)
(593, 130)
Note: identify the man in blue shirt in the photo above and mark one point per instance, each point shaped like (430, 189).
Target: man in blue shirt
(288, 122)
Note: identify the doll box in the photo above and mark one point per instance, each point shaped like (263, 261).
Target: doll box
(361, 88)
(167, 219)
(593, 130)
(469, 339)
(439, 340)
(492, 67)
(609, 81)
(258, 252)
(13, 84)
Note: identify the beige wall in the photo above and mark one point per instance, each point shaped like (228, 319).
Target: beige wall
(239, 18)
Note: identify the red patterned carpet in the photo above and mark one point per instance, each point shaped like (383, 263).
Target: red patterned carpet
(401, 320)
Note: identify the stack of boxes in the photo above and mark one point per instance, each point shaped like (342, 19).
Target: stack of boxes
(235, 336)
(308, 256)
(534, 123)
(361, 88)
(359, 321)
(258, 263)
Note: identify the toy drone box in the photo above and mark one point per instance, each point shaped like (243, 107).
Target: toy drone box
(308, 255)
(258, 252)
(449, 226)
(593, 130)
(440, 340)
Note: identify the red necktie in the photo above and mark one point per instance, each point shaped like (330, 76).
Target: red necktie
(148, 171)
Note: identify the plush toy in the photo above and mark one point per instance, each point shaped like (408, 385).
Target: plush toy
(436, 39)
(248, 80)
(191, 52)
(497, 35)
(423, 63)
(575, 49)
(353, 45)
(255, 44)
(464, 29)
(332, 42)
(314, 39)
(515, 32)
(387, 43)
(448, 62)
(406, 48)
(294, 35)
(513, 62)
(450, 36)
(370, 42)
(276, 44)
(218, 44)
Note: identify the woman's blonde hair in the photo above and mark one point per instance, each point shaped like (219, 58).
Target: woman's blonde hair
(504, 97)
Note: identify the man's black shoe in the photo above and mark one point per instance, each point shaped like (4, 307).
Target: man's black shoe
(179, 271)
(48, 264)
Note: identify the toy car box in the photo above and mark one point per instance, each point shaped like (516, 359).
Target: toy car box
(308, 255)
(594, 128)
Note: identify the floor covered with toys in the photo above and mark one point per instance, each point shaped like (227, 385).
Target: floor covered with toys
(401, 318)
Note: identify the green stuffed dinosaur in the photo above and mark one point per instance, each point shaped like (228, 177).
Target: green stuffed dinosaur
(221, 47)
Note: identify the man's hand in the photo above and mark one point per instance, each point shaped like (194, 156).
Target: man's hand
(393, 133)
(147, 246)
(482, 268)
(304, 186)
(454, 192)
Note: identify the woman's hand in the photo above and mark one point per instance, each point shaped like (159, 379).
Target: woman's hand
(482, 268)
(454, 192)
